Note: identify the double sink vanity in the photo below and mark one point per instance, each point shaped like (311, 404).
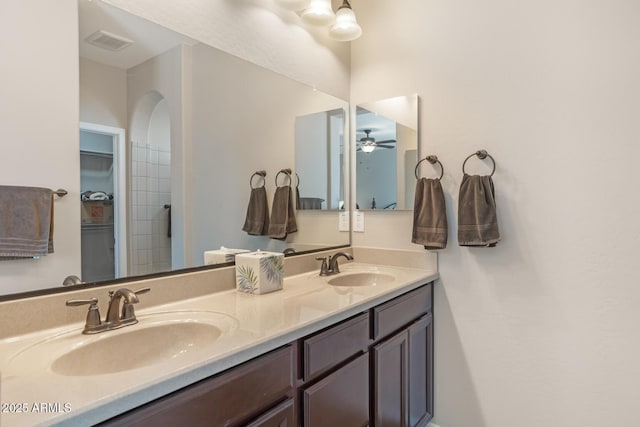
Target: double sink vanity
(352, 348)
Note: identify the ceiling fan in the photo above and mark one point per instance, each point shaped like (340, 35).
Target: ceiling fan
(369, 143)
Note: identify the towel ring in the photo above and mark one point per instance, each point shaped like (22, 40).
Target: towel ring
(287, 172)
(297, 180)
(482, 154)
(433, 160)
(60, 192)
(260, 174)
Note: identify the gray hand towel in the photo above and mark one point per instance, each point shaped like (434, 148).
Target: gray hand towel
(477, 217)
(429, 215)
(26, 222)
(283, 219)
(257, 220)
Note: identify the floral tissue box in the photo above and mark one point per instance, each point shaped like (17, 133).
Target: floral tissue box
(259, 272)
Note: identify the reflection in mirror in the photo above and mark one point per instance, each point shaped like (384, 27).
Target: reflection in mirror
(386, 153)
(198, 123)
(320, 160)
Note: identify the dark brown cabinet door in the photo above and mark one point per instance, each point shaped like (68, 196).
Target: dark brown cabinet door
(421, 371)
(282, 415)
(403, 377)
(340, 399)
(391, 382)
(228, 399)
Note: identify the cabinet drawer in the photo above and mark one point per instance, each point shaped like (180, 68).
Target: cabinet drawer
(282, 415)
(228, 399)
(335, 345)
(341, 398)
(398, 312)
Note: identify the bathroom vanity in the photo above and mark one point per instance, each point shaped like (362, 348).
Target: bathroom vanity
(355, 349)
(374, 368)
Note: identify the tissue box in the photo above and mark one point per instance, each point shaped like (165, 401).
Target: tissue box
(222, 255)
(259, 272)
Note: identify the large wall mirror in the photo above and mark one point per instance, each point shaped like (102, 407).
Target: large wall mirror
(172, 130)
(386, 153)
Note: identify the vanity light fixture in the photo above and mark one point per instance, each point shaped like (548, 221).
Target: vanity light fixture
(342, 25)
(319, 12)
(346, 27)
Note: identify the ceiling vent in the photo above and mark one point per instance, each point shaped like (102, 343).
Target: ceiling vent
(109, 41)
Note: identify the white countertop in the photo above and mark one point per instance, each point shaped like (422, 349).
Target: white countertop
(253, 325)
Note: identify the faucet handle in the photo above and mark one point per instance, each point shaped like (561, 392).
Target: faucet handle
(127, 308)
(93, 315)
(77, 302)
(324, 267)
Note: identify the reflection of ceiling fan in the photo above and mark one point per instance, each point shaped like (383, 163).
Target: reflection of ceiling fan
(369, 143)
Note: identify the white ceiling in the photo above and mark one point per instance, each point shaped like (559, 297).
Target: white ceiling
(149, 39)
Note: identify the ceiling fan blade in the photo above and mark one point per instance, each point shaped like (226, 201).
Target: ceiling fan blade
(388, 141)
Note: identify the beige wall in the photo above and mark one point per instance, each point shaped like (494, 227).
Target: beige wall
(543, 329)
(39, 127)
(228, 93)
(103, 94)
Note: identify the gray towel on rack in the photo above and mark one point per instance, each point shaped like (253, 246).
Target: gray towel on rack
(26, 222)
(283, 219)
(477, 217)
(429, 215)
(257, 220)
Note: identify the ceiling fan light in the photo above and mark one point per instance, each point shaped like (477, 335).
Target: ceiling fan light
(293, 4)
(367, 148)
(346, 27)
(319, 12)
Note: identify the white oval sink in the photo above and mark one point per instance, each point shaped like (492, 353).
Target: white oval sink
(158, 338)
(135, 348)
(361, 279)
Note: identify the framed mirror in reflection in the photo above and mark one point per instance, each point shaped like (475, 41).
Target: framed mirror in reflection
(386, 153)
(320, 160)
(186, 126)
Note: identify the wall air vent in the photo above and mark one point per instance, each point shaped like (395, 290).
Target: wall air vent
(107, 40)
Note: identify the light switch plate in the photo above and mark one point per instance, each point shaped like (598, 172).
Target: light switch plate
(343, 221)
(358, 221)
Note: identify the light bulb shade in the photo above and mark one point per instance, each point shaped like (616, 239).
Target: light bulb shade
(293, 4)
(319, 12)
(367, 148)
(346, 27)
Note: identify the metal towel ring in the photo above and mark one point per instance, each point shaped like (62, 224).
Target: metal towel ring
(433, 160)
(258, 173)
(482, 154)
(287, 172)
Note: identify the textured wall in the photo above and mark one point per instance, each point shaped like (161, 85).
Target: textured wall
(543, 329)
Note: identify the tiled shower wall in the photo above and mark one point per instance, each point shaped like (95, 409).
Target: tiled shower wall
(151, 191)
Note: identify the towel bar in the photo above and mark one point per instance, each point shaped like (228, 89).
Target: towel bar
(482, 154)
(433, 160)
(60, 192)
(258, 173)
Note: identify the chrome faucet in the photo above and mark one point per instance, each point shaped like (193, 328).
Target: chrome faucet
(115, 319)
(330, 266)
